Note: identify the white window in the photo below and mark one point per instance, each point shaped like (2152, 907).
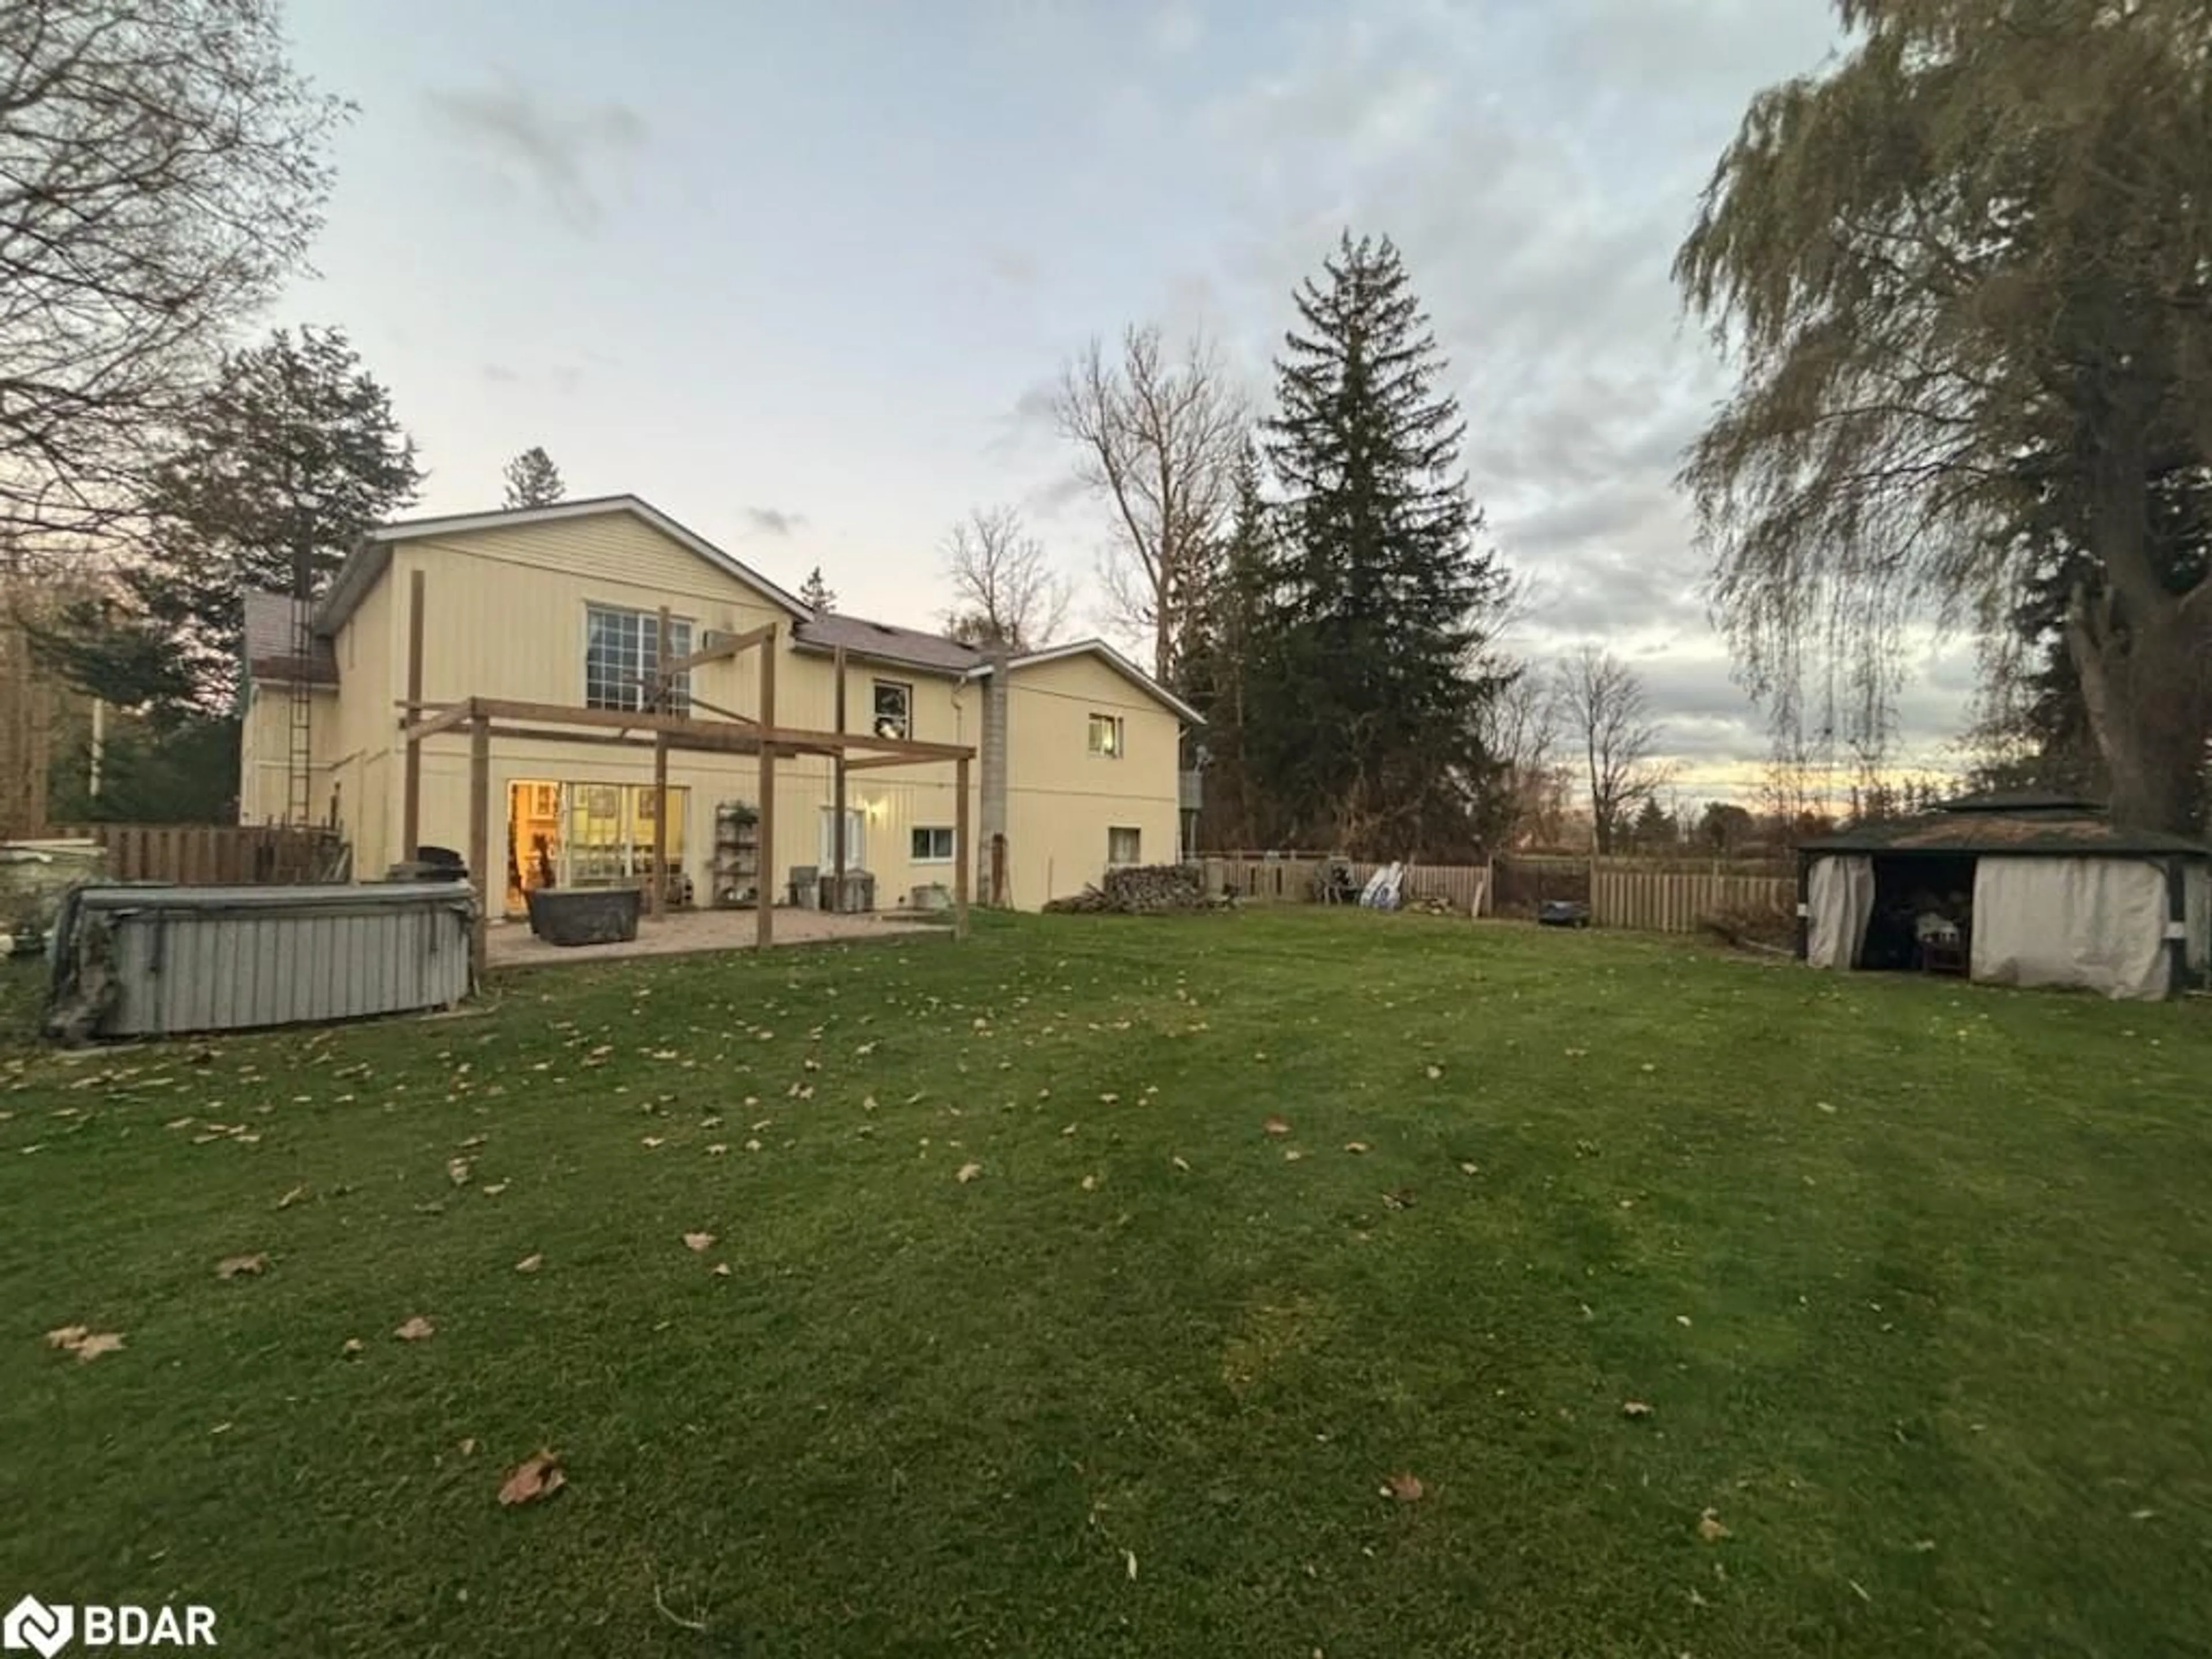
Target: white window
(932, 844)
(856, 839)
(1107, 736)
(622, 654)
(1124, 846)
(894, 716)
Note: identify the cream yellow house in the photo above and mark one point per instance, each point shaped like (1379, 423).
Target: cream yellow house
(1077, 749)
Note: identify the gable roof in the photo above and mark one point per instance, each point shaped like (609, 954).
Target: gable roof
(366, 564)
(1114, 660)
(271, 646)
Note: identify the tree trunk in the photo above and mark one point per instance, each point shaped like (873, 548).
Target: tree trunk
(2145, 690)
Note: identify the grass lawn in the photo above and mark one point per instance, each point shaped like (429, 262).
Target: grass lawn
(1913, 1276)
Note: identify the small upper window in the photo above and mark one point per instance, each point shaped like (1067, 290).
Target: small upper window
(1107, 736)
(894, 715)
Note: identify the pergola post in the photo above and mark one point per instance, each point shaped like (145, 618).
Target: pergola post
(656, 899)
(764, 930)
(480, 834)
(963, 850)
(410, 798)
(837, 791)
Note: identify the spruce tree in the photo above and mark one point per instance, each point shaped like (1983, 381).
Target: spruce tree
(532, 480)
(291, 454)
(1365, 733)
(817, 594)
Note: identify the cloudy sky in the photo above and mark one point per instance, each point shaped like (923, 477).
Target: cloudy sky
(798, 274)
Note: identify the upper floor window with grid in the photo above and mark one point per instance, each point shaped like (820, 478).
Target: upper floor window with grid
(622, 654)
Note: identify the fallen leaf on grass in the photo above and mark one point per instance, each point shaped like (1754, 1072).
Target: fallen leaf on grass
(1292, 1155)
(1276, 1124)
(721, 1270)
(354, 1347)
(1129, 1563)
(649, 1141)
(530, 1264)
(1400, 1197)
(232, 1265)
(495, 1188)
(967, 1173)
(1356, 1146)
(84, 1343)
(1070, 1129)
(1435, 1072)
(415, 1329)
(1108, 1100)
(699, 1241)
(1181, 1163)
(753, 1146)
(1405, 1488)
(536, 1477)
(717, 1149)
(1635, 1409)
(1090, 1184)
(469, 1447)
(293, 1197)
(1710, 1528)
(178, 1123)
(458, 1170)
(1470, 1168)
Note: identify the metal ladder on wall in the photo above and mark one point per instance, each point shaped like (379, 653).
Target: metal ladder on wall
(299, 772)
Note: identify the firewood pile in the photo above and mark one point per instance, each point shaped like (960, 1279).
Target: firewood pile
(1140, 891)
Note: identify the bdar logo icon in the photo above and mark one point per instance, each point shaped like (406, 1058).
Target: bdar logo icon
(32, 1624)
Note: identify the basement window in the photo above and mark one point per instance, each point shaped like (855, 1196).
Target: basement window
(1124, 846)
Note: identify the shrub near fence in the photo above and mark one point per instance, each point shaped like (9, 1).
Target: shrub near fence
(215, 854)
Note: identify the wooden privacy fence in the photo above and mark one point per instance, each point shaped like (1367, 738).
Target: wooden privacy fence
(215, 855)
(1620, 893)
(1290, 879)
(1675, 902)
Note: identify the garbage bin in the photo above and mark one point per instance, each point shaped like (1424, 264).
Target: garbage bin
(805, 886)
(859, 897)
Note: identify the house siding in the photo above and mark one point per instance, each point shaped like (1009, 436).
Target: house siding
(1060, 798)
(504, 618)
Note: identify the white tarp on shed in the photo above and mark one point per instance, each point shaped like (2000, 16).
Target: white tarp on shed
(1839, 902)
(2097, 924)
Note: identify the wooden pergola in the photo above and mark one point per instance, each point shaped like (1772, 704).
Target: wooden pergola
(653, 726)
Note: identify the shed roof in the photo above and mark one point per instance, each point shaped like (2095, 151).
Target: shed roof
(2068, 830)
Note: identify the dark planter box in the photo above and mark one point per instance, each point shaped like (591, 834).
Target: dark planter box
(585, 916)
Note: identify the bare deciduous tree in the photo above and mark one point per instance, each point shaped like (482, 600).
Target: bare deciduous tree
(162, 172)
(1602, 705)
(1161, 439)
(1003, 588)
(1521, 732)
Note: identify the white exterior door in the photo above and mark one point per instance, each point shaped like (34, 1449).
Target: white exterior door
(856, 841)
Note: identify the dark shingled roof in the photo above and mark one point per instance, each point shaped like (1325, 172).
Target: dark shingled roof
(912, 645)
(271, 644)
(2068, 830)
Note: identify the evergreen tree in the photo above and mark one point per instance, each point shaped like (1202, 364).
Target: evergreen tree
(532, 480)
(292, 454)
(1367, 728)
(817, 594)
